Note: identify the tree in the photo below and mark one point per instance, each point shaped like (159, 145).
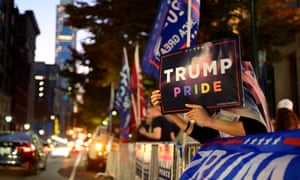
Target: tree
(114, 24)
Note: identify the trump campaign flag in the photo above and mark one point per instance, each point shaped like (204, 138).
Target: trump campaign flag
(170, 32)
(122, 103)
(137, 88)
(261, 156)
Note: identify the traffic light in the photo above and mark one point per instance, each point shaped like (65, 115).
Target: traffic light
(40, 87)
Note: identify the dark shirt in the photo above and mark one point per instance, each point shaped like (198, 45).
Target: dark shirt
(166, 127)
(140, 137)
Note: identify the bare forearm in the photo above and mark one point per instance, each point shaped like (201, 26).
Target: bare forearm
(151, 135)
(178, 120)
(233, 128)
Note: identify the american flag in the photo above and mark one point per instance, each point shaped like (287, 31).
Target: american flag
(138, 99)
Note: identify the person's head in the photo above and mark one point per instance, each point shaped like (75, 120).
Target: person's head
(151, 113)
(285, 103)
(285, 118)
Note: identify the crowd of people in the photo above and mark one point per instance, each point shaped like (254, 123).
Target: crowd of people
(202, 124)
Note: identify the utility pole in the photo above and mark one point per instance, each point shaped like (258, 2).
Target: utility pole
(254, 39)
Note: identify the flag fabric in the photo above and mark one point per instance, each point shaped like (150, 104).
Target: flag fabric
(122, 102)
(170, 31)
(137, 89)
(273, 155)
(250, 82)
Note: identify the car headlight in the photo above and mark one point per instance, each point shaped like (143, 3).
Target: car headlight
(98, 146)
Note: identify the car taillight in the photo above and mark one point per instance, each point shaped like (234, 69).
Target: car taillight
(27, 149)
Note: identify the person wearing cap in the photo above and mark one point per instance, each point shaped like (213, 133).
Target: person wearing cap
(286, 118)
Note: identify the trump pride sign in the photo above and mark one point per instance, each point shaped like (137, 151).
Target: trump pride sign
(208, 74)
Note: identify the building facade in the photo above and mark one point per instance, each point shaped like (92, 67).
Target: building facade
(286, 72)
(17, 45)
(65, 39)
(44, 78)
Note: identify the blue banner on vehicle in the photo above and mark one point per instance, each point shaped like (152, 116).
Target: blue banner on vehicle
(262, 156)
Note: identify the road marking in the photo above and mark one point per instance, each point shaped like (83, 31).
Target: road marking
(75, 166)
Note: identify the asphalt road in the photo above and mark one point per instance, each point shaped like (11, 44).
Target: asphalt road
(58, 168)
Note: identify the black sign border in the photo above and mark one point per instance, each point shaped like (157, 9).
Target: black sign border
(237, 63)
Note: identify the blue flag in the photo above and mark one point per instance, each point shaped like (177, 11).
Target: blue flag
(262, 156)
(123, 103)
(170, 31)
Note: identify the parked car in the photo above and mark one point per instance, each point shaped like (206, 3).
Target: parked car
(97, 150)
(60, 150)
(22, 150)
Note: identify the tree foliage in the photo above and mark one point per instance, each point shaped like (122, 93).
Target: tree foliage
(114, 24)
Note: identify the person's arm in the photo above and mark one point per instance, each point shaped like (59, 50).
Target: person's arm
(155, 135)
(193, 130)
(252, 126)
(202, 134)
(234, 128)
(173, 137)
(176, 118)
(202, 118)
(242, 127)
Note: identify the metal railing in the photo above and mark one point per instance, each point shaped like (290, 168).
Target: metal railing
(150, 161)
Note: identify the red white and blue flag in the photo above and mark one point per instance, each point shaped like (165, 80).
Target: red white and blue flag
(122, 102)
(170, 32)
(262, 156)
(251, 83)
(137, 89)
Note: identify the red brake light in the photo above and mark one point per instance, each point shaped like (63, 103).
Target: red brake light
(27, 149)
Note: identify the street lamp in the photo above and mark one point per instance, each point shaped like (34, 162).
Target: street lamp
(52, 117)
(114, 113)
(26, 126)
(8, 120)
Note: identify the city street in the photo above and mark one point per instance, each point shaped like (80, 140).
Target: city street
(58, 168)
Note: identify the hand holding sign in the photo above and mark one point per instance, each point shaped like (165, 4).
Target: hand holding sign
(156, 98)
(198, 114)
(208, 77)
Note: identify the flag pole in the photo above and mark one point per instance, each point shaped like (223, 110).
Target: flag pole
(137, 63)
(126, 60)
(188, 44)
(133, 100)
(112, 98)
(188, 36)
